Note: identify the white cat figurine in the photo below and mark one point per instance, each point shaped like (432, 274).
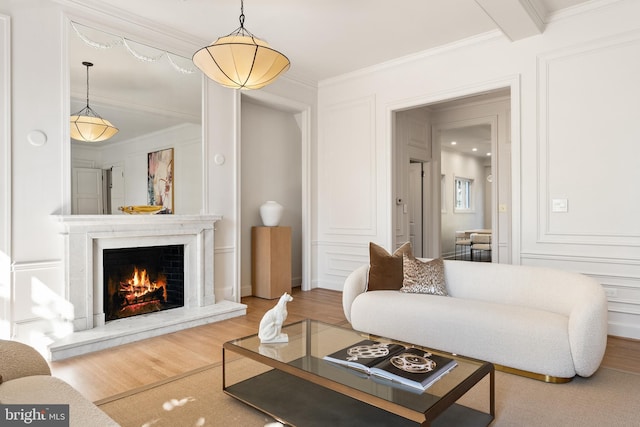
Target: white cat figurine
(271, 323)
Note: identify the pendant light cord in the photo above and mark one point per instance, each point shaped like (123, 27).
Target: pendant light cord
(242, 14)
(87, 85)
(87, 64)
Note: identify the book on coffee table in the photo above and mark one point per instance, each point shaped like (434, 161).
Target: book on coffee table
(394, 363)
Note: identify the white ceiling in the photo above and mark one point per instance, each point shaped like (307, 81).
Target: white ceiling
(322, 39)
(470, 140)
(331, 37)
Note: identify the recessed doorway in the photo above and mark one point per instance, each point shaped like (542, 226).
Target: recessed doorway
(464, 186)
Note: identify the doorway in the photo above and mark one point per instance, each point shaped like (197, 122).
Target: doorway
(488, 188)
(275, 165)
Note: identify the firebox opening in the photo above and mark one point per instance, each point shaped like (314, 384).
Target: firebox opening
(142, 280)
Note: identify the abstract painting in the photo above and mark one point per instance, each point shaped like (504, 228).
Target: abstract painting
(160, 180)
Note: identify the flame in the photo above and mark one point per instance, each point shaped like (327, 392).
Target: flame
(140, 284)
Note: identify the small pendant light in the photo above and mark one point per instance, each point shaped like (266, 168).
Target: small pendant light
(87, 125)
(240, 60)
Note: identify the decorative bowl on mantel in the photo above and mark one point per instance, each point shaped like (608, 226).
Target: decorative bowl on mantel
(141, 209)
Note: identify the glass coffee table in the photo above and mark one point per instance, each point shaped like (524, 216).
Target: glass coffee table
(292, 383)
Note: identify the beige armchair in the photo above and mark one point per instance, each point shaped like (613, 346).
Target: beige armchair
(25, 378)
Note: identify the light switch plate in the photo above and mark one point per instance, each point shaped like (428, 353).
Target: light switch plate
(559, 205)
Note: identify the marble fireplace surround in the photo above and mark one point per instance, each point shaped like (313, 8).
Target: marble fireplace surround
(87, 236)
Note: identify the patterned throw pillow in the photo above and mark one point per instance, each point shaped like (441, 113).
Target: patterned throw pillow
(422, 277)
(385, 270)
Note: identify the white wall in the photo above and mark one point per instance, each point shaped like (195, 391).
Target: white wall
(573, 134)
(574, 90)
(36, 180)
(271, 154)
(33, 299)
(5, 176)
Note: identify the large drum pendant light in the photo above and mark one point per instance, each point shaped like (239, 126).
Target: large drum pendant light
(86, 125)
(240, 60)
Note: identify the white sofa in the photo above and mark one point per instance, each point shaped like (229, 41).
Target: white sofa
(25, 378)
(545, 323)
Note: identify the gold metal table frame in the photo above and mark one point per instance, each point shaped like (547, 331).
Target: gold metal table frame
(293, 384)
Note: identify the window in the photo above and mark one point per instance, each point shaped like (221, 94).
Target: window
(463, 194)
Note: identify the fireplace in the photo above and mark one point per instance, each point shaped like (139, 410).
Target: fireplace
(142, 280)
(88, 237)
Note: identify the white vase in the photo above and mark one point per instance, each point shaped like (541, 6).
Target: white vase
(271, 213)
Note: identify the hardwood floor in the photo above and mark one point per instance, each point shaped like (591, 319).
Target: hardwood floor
(105, 373)
(109, 372)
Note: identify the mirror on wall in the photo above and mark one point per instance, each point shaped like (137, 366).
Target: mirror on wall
(154, 98)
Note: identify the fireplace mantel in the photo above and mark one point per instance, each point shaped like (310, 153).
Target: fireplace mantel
(87, 236)
(77, 223)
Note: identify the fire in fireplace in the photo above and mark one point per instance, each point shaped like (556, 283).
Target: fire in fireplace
(142, 280)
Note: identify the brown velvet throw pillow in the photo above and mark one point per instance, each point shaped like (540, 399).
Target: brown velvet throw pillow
(385, 270)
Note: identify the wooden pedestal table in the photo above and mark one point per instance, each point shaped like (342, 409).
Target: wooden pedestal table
(270, 261)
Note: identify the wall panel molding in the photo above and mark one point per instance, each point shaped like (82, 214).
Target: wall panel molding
(5, 177)
(620, 279)
(36, 265)
(346, 144)
(586, 260)
(336, 260)
(343, 263)
(565, 132)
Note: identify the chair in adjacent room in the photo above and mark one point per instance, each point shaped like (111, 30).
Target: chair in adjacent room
(462, 240)
(480, 242)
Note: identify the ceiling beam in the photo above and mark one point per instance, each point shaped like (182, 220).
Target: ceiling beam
(517, 19)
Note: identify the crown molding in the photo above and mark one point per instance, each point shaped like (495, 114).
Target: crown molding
(578, 9)
(145, 28)
(438, 50)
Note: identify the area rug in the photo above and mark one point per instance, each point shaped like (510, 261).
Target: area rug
(608, 398)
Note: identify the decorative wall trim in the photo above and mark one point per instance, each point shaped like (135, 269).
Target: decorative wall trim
(5, 178)
(624, 307)
(341, 111)
(224, 250)
(105, 17)
(625, 330)
(439, 50)
(343, 263)
(545, 70)
(547, 256)
(619, 277)
(36, 265)
(578, 10)
(5, 132)
(471, 41)
(354, 245)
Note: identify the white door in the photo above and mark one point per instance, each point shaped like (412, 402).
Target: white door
(117, 189)
(416, 175)
(86, 188)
